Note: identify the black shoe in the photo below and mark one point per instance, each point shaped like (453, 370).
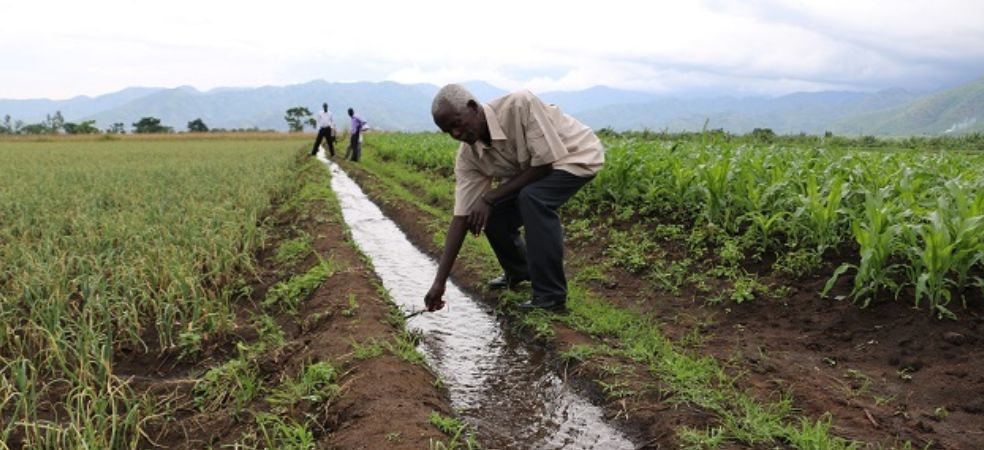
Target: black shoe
(555, 304)
(504, 282)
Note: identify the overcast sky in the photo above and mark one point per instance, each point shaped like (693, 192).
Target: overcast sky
(59, 48)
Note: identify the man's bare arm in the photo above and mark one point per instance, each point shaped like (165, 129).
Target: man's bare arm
(452, 245)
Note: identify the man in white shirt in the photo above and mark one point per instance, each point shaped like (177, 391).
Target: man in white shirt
(541, 158)
(326, 131)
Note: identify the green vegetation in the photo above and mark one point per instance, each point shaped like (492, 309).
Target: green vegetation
(293, 250)
(316, 384)
(105, 243)
(460, 436)
(717, 202)
(913, 217)
(286, 295)
(150, 125)
(297, 117)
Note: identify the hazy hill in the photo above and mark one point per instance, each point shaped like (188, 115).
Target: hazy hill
(394, 106)
(385, 105)
(32, 111)
(952, 111)
(794, 113)
(576, 102)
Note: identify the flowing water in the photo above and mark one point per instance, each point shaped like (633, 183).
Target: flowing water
(501, 386)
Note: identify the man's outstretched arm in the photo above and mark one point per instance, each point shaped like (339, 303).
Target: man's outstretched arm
(452, 245)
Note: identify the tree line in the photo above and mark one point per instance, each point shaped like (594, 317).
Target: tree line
(56, 124)
(297, 118)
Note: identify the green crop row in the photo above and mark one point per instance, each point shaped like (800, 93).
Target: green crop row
(909, 221)
(110, 245)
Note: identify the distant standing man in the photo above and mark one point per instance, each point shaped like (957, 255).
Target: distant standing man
(357, 126)
(542, 157)
(326, 131)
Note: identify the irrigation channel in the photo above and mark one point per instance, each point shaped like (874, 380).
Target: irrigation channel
(501, 386)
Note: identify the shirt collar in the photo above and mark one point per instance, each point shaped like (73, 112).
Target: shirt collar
(495, 131)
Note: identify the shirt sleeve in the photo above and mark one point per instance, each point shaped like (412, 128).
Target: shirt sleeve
(542, 139)
(469, 184)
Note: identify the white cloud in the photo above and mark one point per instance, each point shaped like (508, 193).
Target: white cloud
(62, 48)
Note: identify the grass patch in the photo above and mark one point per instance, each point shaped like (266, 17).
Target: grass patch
(287, 295)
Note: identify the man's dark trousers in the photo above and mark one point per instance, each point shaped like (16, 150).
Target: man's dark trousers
(324, 133)
(356, 147)
(541, 260)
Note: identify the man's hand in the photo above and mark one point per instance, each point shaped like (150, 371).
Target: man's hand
(479, 217)
(433, 300)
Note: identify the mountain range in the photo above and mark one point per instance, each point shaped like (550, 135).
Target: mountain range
(406, 107)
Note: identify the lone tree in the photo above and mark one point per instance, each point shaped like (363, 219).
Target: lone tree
(55, 123)
(296, 118)
(7, 127)
(197, 126)
(150, 125)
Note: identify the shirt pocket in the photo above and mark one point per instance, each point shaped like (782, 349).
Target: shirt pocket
(538, 146)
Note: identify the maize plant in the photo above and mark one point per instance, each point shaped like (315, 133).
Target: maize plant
(784, 197)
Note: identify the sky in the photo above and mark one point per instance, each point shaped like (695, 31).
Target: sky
(59, 49)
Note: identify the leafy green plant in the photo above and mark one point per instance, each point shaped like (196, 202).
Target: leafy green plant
(280, 433)
(235, 381)
(287, 295)
(293, 250)
(315, 383)
(371, 349)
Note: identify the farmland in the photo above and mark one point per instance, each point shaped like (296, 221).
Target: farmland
(838, 279)
(726, 292)
(178, 293)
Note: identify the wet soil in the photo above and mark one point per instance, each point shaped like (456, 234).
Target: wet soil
(886, 374)
(384, 401)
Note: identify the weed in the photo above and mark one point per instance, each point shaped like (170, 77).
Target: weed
(287, 295)
(353, 306)
(190, 344)
(405, 347)
(371, 349)
(235, 381)
(293, 250)
(456, 429)
(315, 383)
(285, 434)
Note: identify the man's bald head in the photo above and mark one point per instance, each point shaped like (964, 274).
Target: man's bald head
(451, 98)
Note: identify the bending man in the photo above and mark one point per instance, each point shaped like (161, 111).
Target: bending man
(541, 158)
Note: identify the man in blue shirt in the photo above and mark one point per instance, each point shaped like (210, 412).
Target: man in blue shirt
(357, 126)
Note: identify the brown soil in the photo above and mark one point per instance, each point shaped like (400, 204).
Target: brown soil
(885, 374)
(384, 401)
